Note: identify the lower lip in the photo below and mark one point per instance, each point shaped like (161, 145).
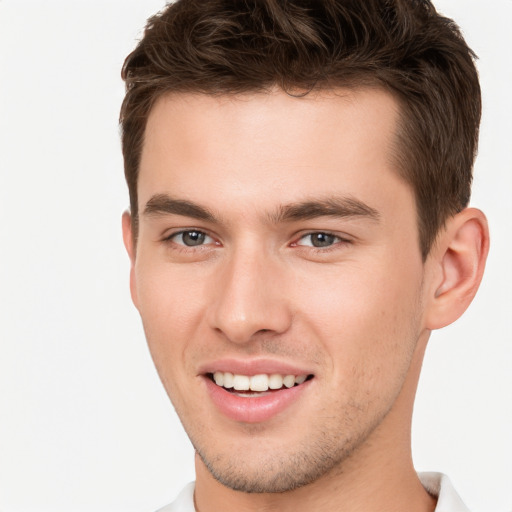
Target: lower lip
(253, 409)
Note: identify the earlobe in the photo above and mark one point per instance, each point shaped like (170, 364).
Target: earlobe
(459, 257)
(130, 249)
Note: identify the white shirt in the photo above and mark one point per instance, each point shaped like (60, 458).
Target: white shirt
(436, 484)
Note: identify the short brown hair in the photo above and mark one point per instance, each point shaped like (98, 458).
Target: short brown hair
(404, 46)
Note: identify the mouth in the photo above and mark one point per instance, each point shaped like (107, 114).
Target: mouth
(258, 390)
(247, 386)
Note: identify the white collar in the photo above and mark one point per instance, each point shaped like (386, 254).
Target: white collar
(437, 484)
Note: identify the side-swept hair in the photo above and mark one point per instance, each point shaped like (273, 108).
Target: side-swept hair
(404, 46)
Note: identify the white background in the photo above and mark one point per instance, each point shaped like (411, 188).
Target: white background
(84, 422)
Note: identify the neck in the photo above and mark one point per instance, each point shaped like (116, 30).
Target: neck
(377, 477)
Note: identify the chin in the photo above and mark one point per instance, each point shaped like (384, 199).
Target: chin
(274, 472)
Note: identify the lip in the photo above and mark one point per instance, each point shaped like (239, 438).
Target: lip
(252, 367)
(254, 409)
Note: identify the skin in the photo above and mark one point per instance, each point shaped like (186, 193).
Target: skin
(356, 313)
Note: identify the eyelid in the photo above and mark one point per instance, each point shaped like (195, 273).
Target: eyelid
(171, 237)
(339, 239)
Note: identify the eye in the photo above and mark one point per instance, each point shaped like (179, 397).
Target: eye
(319, 239)
(191, 238)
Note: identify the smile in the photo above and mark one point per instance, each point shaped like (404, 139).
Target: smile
(258, 397)
(257, 383)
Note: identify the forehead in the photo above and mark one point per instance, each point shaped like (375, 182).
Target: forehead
(263, 148)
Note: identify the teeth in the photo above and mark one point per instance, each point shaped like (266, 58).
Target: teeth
(229, 380)
(300, 379)
(258, 383)
(241, 382)
(289, 381)
(275, 381)
(218, 377)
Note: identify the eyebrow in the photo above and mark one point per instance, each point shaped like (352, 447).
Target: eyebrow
(162, 204)
(341, 207)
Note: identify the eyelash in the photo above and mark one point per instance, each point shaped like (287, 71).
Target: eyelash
(182, 246)
(337, 240)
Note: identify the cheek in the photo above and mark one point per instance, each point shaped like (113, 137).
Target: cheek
(169, 298)
(170, 305)
(366, 320)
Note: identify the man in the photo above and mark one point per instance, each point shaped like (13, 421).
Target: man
(299, 175)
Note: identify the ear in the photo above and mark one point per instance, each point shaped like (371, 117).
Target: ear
(129, 243)
(458, 262)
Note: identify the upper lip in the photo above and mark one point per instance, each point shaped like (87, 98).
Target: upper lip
(253, 367)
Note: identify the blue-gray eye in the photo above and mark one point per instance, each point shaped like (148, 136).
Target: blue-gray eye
(191, 238)
(318, 240)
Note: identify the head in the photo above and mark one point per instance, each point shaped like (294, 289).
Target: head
(403, 46)
(298, 174)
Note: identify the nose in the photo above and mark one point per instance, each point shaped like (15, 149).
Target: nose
(249, 298)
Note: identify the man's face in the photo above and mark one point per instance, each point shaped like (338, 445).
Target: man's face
(276, 241)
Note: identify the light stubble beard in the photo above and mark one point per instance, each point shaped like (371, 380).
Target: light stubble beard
(279, 473)
(334, 439)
